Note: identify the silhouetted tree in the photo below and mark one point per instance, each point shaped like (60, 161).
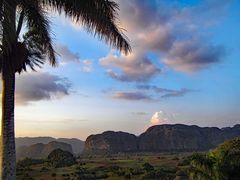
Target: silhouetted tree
(35, 46)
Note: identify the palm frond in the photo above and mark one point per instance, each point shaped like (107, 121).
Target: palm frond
(38, 21)
(97, 16)
(30, 52)
(7, 25)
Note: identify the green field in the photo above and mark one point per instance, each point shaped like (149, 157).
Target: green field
(120, 166)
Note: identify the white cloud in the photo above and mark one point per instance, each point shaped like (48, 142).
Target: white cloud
(161, 118)
(87, 66)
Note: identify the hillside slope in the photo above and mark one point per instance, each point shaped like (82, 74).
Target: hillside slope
(161, 138)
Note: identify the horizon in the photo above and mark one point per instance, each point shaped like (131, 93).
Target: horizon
(183, 69)
(122, 131)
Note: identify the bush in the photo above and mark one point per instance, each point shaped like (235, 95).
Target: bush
(59, 158)
(185, 161)
(44, 169)
(136, 171)
(164, 173)
(181, 172)
(148, 167)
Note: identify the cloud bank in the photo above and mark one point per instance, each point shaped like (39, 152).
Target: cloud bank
(171, 32)
(133, 67)
(130, 96)
(165, 93)
(39, 86)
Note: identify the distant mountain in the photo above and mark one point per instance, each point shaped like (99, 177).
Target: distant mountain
(111, 142)
(161, 138)
(40, 150)
(181, 137)
(77, 145)
(28, 141)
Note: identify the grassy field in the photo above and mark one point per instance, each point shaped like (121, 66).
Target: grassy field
(116, 167)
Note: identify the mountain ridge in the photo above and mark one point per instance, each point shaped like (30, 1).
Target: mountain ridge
(77, 144)
(161, 138)
(41, 150)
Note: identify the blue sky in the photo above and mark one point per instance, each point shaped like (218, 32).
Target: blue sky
(184, 68)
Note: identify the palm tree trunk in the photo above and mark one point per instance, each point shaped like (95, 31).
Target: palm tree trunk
(8, 154)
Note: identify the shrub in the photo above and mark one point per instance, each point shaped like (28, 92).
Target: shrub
(148, 167)
(181, 172)
(59, 158)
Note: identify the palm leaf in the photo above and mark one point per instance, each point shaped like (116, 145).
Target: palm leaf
(36, 19)
(30, 52)
(97, 16)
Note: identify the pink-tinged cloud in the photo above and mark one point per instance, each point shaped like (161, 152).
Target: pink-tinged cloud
(161, 118)
(133, 67)
(154, 27)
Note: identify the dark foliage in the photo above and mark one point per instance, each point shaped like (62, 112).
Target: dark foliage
(59, 158)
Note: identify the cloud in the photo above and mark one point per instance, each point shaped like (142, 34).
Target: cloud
(131, 96)
(161, 118)
(39, 86)
(190, 56)
(140, 113)
(167, 93)
(155, 119)
(155, 88)
(87, 65)
(172, 32)
(66, 55)
(176, 93)
(133, 67)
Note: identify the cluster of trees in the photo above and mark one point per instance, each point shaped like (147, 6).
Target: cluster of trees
(56, 159)
(59, 158)
(223, 163)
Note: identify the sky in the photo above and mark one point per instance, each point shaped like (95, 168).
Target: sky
(184, 68)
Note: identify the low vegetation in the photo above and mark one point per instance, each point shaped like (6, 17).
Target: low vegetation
(217, 164)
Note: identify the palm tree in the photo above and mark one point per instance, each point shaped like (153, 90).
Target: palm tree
(35, 46)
